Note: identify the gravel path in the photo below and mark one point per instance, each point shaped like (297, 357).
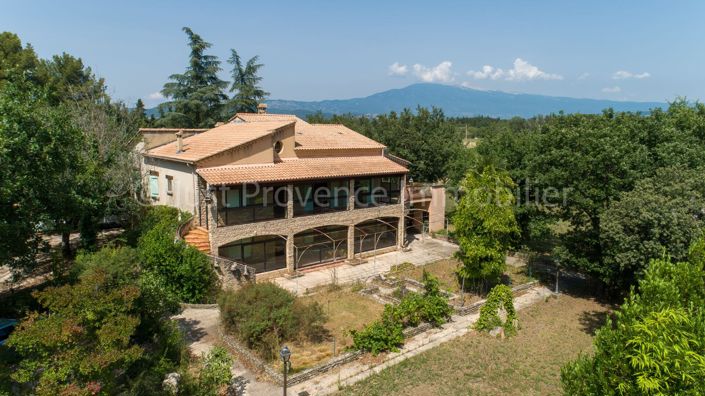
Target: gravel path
(200, 327)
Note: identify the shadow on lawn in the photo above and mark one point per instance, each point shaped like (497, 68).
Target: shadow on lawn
(593, 320)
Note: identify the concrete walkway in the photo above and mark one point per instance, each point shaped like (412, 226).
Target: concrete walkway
(423, 251)
(358, 370)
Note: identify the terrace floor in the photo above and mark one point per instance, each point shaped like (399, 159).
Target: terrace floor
(423, 251)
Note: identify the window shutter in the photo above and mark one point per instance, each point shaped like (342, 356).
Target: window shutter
(154, 186)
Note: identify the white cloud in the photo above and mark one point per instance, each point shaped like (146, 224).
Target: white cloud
(521, 71)
(583, 76)
(441, 72)
(397, 69)
(623, 74)
(156, 96)
(615, 89)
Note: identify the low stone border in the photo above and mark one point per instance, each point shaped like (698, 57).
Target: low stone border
(339, 360)
(197, 306)
(276, 376)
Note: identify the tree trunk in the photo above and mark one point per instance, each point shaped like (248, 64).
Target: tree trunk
(66, 244)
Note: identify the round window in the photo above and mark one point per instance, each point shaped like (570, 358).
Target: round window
(278, 147)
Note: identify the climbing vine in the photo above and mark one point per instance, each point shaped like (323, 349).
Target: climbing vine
(500, 296)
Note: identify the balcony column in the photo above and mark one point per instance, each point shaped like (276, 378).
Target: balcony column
(401, 229)
(351, 194)
(290, 254)
(351, 242)
(289, 201)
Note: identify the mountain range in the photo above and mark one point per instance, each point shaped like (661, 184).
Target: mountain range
(455, 101)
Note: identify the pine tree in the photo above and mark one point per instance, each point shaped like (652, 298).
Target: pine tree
(196, 97)
(140, 114)
(245, 85)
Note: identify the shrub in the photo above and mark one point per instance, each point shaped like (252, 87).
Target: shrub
(380, 336)
(387, 333)
(263, 315)
(215, 372)
(500, 297)
(185, 270)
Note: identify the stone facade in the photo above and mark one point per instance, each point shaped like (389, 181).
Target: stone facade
(291, 225)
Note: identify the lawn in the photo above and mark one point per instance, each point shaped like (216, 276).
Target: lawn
(551, 334)
(346, 310)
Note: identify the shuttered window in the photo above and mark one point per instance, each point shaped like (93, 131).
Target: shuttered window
(154, 186)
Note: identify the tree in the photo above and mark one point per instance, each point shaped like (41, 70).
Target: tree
(39, 168)
(140, 114)
(196, 96)
(245, 84)
(16, 61)
(661, 214)
(654, 344)
(66, 79)
(106, 332)
(485, 224)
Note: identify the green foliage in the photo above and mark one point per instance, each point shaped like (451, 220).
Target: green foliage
(386, 334)
(195, 97)
(82, 339)
(248, 94)
(485, 226)
(500, 297)
(107, 331)
(662, 213)
(214, 373)
(263, 315)
(594, 172)
(186, 271)
(380, 336)
(654, 344)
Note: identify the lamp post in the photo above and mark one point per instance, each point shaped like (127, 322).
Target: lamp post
(285, 354)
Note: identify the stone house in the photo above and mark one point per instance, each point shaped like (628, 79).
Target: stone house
(279, 194)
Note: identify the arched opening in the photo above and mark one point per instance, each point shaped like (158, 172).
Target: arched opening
(264, 253)
(376, 234)
(320, 245)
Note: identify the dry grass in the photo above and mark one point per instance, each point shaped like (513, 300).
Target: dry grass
(346, 310)
(551, 334)
(445, 269)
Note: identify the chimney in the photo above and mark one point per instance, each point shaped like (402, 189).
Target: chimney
(179, 141)
(262, 108)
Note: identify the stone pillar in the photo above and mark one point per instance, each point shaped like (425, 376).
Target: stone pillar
(351, 194)
(401, 230)
(289, 201)
(401, 234)
(290, 253)
(351, 242)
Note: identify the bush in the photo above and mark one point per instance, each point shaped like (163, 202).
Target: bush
(387, 334)
(263, 315)
(654, 343)
(379, 336)
(500, 296)
(185, 270)
(215, 372)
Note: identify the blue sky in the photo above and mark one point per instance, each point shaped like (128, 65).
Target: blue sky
(624, 50)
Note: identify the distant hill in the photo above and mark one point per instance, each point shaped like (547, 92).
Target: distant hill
(456, 102)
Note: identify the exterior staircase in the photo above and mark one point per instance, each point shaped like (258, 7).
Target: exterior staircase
(198, 238)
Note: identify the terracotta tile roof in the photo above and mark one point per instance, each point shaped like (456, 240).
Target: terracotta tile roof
(301, 169)
(258, 117)
(332, 136)
(216, 140)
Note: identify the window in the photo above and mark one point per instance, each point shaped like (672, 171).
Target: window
(278, 147)
(170, 185)
(154, 185)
